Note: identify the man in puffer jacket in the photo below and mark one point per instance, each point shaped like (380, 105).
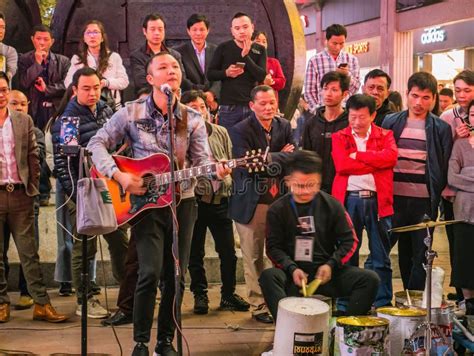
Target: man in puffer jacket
(92, 114)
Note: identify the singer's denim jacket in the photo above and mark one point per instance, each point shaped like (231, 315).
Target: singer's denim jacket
(142, 125)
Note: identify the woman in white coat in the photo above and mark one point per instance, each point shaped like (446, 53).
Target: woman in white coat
(94, 52)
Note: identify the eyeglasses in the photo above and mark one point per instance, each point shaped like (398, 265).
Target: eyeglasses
(92, 33)
(4, 91)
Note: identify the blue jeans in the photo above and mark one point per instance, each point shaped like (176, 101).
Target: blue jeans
(364, 214)
(229, 115)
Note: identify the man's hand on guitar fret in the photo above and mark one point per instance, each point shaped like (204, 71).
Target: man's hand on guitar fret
(222, 170)
(130, 183)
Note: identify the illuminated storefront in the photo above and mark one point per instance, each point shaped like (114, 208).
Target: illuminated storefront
(444, 50)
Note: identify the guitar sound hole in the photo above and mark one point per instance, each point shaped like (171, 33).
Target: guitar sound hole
(151, 186)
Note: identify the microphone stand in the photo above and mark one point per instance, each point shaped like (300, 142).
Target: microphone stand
(175, 246)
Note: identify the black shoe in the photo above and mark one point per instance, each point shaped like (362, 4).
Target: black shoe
(201, 304)
(65, 289)
(119, 318)
(141, 349)
(234, 302)
(165, 348)
(265, 318)
(94, 288)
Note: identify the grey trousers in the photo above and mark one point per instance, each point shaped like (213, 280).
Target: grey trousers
(16, 209)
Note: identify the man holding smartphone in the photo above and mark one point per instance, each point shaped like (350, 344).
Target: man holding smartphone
(332, 58)
(240, 65)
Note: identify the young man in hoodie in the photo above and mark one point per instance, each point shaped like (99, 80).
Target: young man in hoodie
(92, 114)
(328, 119)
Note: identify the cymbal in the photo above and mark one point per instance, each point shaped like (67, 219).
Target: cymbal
(424, 225)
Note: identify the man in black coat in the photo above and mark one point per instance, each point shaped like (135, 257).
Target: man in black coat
(154, 27)
(254, 192)
(377, 85)
(42, 74)
(197, 54)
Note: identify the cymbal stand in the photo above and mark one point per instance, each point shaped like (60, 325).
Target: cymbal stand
(428, 326)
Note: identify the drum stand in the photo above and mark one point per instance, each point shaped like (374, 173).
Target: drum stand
(429, 326)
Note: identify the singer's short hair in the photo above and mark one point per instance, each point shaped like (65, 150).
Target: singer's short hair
(159, 54)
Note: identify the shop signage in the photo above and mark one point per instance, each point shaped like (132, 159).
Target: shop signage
(433, 35)
(358, 47)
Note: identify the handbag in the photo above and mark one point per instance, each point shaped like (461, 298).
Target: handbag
(95, 212)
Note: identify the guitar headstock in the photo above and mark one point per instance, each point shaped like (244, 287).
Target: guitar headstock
(253, 160)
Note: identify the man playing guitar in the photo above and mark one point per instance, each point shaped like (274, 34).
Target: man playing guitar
(144, 123)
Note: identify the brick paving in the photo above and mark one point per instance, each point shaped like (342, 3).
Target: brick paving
(218, 333)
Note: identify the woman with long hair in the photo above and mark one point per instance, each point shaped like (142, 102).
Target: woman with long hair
(94, 52)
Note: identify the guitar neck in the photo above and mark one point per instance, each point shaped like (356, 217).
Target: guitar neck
(188, 173)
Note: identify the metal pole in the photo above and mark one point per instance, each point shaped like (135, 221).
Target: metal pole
(84, 284)
(429, 269)
(175, 246)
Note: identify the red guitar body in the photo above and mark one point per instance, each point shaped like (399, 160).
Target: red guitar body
(128, 206)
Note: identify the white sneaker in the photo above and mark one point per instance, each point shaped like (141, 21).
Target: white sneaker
(94, 310)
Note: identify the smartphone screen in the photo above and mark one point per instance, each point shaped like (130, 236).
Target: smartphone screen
(240, 64)
(342, 65)
(69, 131)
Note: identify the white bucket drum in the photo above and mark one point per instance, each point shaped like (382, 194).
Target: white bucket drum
(403, 323)
(362, 336)
(302, 327)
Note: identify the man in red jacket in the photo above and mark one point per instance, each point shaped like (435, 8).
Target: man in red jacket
(364, 156)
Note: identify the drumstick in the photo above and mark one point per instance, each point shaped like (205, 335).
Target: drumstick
(303, 285)
(313, 286)
(408, 297)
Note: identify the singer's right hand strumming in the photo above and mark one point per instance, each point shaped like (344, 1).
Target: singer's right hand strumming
(130, 183)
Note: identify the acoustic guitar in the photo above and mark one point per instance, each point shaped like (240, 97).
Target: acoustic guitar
(155, 172)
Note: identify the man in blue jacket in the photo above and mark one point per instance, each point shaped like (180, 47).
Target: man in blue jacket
(254, 192)
(92, 114)
(424, 145)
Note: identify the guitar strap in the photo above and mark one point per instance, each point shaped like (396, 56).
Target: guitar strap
(181, 137)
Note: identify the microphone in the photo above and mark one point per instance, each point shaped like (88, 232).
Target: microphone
(166, 89)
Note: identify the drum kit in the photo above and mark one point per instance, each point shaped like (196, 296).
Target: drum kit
(428, 327)
(413, 330)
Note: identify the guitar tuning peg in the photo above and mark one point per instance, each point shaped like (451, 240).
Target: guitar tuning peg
(250, 170)
(262, 168)
(259, 150)
(256, 169)
(247, 153)
(253, 152)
